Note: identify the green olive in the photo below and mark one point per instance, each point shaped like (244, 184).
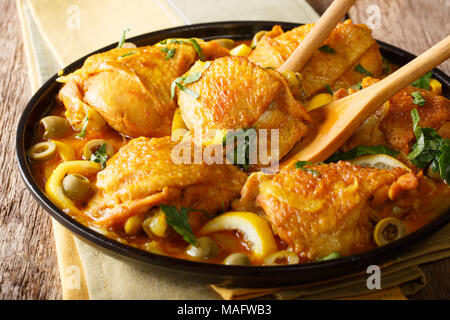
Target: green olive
(77, 187)
(54, 127)
(281, 258)
(206, 248)
(388, 230)
(226, 43)
(258, 37)
(93, 145)
(43, 151)
(237, 259)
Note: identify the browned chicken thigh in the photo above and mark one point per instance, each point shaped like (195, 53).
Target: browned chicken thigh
(392, 124)
(347, 46)
(143, 175)
(234, 93)
(324, 208)
(130, 88)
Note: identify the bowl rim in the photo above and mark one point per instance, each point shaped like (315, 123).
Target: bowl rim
(132, 254)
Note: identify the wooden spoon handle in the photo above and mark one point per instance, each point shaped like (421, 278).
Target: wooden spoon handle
(317, 36)
(378, 93)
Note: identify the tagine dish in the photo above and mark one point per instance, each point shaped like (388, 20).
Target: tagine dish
(175, 149)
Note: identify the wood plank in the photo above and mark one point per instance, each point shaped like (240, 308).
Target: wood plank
(28, 268)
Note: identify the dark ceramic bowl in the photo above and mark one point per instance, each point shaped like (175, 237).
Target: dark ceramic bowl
(197, 271)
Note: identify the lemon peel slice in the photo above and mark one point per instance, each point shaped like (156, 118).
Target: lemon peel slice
(379, 161)
(256, 230)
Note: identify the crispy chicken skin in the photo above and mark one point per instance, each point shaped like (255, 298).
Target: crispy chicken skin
(130, 88)
(353, 45)
(392, 124)
(237, 94)
(329, 212)
(142, 175)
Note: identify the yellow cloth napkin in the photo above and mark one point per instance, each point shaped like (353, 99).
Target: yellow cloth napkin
(57, 32)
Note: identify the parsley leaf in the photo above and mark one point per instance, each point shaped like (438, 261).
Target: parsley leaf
(359, 68)
(326, 48)
(301, 165)
(361, 151)
(85, 122)
(430, 149)
(198, 49)
(423, 82)
(327, 86)
(178, 220)
(100, 155)
(177, 83)
(190, 92)
(193, 77)
(169, 52)
(246, 140)
(418, 99)
(122, 40)
(127, 54)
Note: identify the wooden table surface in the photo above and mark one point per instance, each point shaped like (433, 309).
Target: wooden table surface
(28, 266)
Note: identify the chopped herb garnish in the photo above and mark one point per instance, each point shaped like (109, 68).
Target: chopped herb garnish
(174, 85)
(423, 82)
(326, 48)
(270, 68)
(190, 92)
(169, 52)
(198, 49)
(418, 99)
(193, 77)
(362, 151)
(166, 41)
(246, 145)
(430, 149)
(122, 40)
(359, 86)
(85, 122)
(301, 165)
(100, 155)
(359, 68)
(331, 256)
(327, 86)
(127, 54)
(178, 220)
(386, 68)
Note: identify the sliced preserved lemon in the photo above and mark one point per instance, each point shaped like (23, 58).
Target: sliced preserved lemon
(319, 100)
(241, 50)
(256, 230)
(379, 161)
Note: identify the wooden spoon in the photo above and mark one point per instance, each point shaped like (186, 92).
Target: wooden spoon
(314, 39)
(336, 122)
